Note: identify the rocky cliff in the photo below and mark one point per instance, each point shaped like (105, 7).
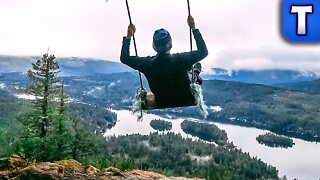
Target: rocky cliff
(17, 168)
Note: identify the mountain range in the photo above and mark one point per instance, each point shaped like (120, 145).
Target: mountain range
(73, 66)
(68, 66)
(268, 77)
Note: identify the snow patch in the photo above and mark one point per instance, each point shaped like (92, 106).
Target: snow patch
(126, 100)
(25, 96)
(94, 90)
(308, 74)
(71, 100)
(2, 86)
(168, 116)
(111, 84)
(147, 144)
(215, 108)
(200, 159)
(75, 63)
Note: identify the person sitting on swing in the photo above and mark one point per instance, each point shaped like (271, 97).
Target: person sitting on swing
(168, 74)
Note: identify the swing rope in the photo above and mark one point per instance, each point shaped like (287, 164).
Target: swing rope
(196, 88)
(190, 36)
(134, 42)
(190, 30)
(141, 92)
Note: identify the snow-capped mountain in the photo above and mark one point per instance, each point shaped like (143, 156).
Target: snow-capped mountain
(267, 77)
(68, 66)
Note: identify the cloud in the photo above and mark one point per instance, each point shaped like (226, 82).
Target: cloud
(89, 28)
(269, 58)
(238, 34)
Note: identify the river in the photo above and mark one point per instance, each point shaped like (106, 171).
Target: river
(302, 161)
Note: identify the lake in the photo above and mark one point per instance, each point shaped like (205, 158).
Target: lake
(302, 161)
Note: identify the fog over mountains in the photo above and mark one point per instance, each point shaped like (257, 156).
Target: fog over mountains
(68, 66)
(267, 77)
(72, 66)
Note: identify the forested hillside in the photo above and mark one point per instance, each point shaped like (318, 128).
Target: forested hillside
(9, 108)
(49, 128)
(285, 112)
(282, 111)
(174, 155)
(312, 87)
(43, 129)
(179, 157)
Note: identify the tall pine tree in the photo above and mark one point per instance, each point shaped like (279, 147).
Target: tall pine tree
(45, 88)
(48, 132)
(62, 130)
(38, 143)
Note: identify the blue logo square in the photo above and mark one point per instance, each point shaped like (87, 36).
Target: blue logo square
(301, 20)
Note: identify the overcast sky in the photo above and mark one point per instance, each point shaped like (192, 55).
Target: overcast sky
(239, 33)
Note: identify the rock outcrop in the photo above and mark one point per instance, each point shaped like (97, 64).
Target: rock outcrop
(17, 168)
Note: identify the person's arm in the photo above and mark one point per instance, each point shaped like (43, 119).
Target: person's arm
(189, 58)
(135, 62)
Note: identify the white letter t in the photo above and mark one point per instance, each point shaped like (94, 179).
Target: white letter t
(301, 12)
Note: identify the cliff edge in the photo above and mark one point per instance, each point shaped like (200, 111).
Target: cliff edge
(16, 167)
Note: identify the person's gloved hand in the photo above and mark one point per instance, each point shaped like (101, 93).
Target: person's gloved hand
(191, 23)
(131, 30)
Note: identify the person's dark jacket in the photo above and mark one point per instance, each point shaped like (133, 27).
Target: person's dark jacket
(167, 73)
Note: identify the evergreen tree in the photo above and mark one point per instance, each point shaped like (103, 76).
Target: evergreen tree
(43, 75)
(85, 141)
(62, 125)
(62, 132)
(48, 132)
(37, 140)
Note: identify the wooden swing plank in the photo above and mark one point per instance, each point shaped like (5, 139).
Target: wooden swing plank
(151, 103)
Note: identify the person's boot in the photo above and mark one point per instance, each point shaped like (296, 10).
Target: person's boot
(197, 70)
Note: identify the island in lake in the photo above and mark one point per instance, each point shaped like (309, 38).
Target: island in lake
(204, 131)
(161, 125)
(274, 140)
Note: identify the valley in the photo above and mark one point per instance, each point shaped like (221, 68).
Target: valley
(279, 109)
(287, 112)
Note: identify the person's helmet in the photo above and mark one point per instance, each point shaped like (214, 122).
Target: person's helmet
(162, 42)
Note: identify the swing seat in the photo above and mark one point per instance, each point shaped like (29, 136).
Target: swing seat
(151, 103)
